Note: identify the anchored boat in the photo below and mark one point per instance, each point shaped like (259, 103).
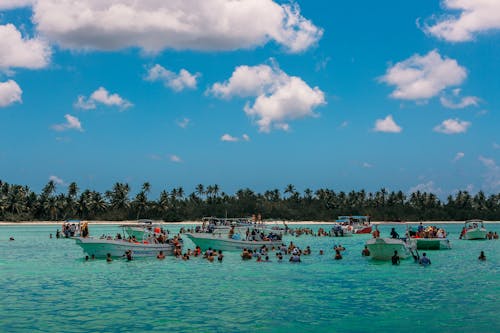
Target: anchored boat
(383, 248)
(473, 229)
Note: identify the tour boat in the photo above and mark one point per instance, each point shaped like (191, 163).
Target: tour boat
(146, 246)
(474, 229)
(383, 248)
(355, 224)
(222, 241)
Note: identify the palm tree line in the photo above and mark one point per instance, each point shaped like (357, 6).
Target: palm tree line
(20, 203)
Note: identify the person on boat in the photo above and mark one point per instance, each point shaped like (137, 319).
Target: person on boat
(108, 257)
(420, 228)
(394, 234)
(482, 257)
(365, 252)
(424, 261)
(338, 256)
(395, 258)
(160, 255)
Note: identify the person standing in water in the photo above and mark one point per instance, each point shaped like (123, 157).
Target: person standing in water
(395, 258)
(482, 257)
(424, 261)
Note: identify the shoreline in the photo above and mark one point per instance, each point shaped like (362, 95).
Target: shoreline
(6, 223)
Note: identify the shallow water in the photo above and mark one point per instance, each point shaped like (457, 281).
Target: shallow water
(46, 286)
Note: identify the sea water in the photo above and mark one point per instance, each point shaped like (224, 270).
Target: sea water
(47, 286)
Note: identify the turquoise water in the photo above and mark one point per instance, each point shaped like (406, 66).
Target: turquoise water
(46, 286)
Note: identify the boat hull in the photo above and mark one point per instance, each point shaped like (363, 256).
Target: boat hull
(383, 248)
(431, 243)
(220, 242)
(117, 248)
(473, 234)
(363, 230)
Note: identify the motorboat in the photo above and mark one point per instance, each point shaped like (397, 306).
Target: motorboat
(142, 227)
(150, 244)
(383, 248)
(234, 241)
(355, 224)
(429, 238)
(473, 229)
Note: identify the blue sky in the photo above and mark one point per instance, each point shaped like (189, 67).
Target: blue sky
(252, 93)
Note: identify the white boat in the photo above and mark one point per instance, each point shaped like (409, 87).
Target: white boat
(473, 229)
(117, 247)
(142, 229)
(222, 241)
(383, 248)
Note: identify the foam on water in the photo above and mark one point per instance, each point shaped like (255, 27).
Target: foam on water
(46, 286)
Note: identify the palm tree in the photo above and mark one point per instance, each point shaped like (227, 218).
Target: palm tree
(200, 190)
(290, 189)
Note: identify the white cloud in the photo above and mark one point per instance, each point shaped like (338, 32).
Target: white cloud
(422, 77)
(71, 123)
(175, 159)
(16, 51)
(279, 97)
(56, 180)
(184, 123)
(11, 4)
(245, 137)
(10, 93)
(102, 96)
(387, 125)
(458, 156)
(428, 187)
(367, 165)
(154, 25)
(229, 138)
(463, 102)
(492, 174)
(177, 82)
(452, 126)
(476, 16)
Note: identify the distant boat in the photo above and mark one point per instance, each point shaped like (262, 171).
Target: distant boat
(355, 224)
(474, 229)
(383, 248)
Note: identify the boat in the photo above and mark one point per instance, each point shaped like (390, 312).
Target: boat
(149, 245)
(473, 229)
(383, 248)
(355, 224)
(429, 238)
(141, 227)
(233, 242)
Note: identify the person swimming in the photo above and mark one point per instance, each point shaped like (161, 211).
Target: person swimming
(424, 261)
(338, 256)
(395, 258)
(365, 252)
(108, 257)
(160, 255)
(482, 257)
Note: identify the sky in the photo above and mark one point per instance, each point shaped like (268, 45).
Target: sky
(346, 95)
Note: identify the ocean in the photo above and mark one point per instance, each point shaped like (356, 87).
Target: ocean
(47, 286)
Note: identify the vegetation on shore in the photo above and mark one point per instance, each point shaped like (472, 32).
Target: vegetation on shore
(20, 203)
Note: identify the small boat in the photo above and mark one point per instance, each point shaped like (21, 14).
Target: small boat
(473, 229)
(383, 248)
(429, 238)
(357, 224)
(225, 242)
(149, 245)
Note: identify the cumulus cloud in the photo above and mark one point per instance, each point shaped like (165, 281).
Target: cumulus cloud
(279, 97)
(154, 25)
(16, 51)
(458, 156)
(175, 159)
(387, 125)
(462, 102)
(475, 17)
(422, 77)
(10, 93)
(178, 82)
(183, 123)
(56, 180)
(492, 174)
(452, 126)
(428, 187)
(71, 123)
(101, 96)
(229, 138)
